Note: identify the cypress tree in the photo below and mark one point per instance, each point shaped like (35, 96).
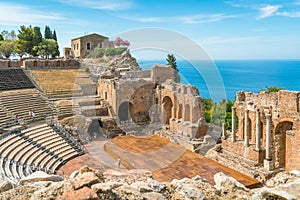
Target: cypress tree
(48, 34)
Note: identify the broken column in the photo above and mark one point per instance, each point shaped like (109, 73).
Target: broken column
(258, 131)
(268, 164)
(233, 116)
(246, 129)
(223, 131)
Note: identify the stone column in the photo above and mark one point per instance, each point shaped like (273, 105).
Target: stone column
(223, 131)
(268, 137)
(233, 117)
(257, 131)
(246, 124)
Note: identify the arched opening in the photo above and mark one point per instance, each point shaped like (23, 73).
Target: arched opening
(179, 114)
(187, 112)
(167, 106)
(95, 129)
(280, 142)
(142, 99)
(124, 111)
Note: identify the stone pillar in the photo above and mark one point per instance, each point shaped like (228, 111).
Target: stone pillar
(233, 116)
(257, 131)
(223, 131)
(246, 128)
(173, 112)
(268, 137)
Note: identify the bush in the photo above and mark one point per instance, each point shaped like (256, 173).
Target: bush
(100, 52)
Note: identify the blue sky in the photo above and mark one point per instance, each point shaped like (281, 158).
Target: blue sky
(225, 29)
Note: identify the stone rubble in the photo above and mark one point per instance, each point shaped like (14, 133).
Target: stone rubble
(138, 184)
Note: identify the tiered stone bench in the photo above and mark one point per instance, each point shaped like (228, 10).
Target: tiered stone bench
(39, 147)
(20, 102)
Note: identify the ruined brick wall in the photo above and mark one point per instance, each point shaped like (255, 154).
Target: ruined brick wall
(180, 104)
(187, 110)
(161, 73)
(285, 139)
(50, 63)
(6, 63)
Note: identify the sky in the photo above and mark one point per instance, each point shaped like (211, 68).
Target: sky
(223, 29)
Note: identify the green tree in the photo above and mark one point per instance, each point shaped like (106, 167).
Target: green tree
(36, 39)
(208, 105)
(271, 89)
(54, 37)
(7, 47)
(1, 37)
(172, 62)
(46, 48)
(48, 33)
(24, 43)
(8, 35)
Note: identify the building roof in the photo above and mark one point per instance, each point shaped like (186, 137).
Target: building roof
(89, 36)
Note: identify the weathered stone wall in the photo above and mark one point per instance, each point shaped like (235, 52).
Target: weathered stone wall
(48, 64)
(283, 109)
(186, 113)
(143, 98)
(161, 73)
(79, 45)
(6, 63)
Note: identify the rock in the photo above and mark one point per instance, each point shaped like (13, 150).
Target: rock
(289, 191)
(188, 191)
(54, 191)
(5, 186)
(295, 172)
(142, 186)
(126, 191)
(40, 184)
(226, 183)
(105, 187)
(84, 193)
(199, 178)
(101, 187)
(85, 169)
(74, 174)
(155, 185)
(18, 193)
(40, 176)
(85, 179)
(153, 196)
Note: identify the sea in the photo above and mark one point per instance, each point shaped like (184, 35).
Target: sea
(222, 79)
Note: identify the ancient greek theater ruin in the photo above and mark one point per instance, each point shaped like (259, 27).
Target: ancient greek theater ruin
(58, 115)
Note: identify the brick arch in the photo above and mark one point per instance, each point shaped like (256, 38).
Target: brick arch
(187, 112)
(167, 105)
(280, 142)
(179, 111)
(124, 111)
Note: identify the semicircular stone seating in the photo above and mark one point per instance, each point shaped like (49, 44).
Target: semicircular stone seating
(41, 147)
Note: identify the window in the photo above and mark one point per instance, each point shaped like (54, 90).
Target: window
(105, 95)
(88, 46)
(77, 46)
(74, 46)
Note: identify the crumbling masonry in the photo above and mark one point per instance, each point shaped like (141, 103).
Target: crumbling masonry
(267, 130)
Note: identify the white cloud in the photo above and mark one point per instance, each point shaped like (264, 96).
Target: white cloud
(111, 5)
(268, 11)
(15, 14)
(190, 19)
(289, 14)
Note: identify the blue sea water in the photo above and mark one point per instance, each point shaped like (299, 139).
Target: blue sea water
(223, 78)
